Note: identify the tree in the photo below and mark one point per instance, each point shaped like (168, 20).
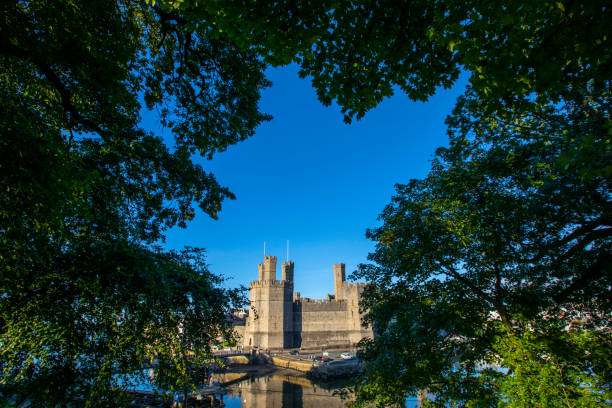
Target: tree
(501, 252)
(85, 296)
(358, 52)
(513, 223)
(87, 190)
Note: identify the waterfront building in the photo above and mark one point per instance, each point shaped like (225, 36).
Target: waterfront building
(280, 318)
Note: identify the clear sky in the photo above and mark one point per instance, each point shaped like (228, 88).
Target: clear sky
(309, 178)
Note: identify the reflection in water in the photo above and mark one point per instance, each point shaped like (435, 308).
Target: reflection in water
(280, 392)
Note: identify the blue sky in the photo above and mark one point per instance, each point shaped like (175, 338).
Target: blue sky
(309, 178)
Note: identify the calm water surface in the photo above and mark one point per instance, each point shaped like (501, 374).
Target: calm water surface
(276, 391)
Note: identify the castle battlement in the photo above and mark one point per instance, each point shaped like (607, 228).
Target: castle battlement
(269, 283)
(320, 301)
(356, 285)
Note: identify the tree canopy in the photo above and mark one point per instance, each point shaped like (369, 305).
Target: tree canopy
(501, 252)
(499, 256)
(86, 190)
(358, 52)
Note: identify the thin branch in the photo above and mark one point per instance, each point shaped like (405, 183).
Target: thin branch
(497, 304)
(596, 271)
(589, 238)
(8, 48)
(167, 16)
(603, 220)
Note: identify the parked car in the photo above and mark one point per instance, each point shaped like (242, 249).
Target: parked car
(347, 356)
(294, 352)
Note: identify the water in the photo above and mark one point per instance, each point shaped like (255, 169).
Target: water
(281, 392)
(277, 391)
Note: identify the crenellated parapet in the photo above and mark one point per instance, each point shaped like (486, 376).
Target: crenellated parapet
(356, 285)
(320, 301)
(351, 291)
(269, 284)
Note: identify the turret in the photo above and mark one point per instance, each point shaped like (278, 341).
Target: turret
(272, 325)
(267, 270)
(287, 271)
(339, 279)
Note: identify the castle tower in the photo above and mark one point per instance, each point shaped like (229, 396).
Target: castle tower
(268, 268)
(270, 321)
(287, 281)
(287, 271)
(339, 279)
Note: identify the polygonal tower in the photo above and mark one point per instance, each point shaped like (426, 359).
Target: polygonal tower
(270, 321)
(339, 281)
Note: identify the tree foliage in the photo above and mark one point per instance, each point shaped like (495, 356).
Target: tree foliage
(86, 190)
(504, 246)
(358, 52)
(507, 238)
(507, 241)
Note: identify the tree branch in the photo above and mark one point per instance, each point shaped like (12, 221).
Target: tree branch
(8, 48)
(603, 220)
(496, 303)
(166, 16)
(596, 271)
(589, 238)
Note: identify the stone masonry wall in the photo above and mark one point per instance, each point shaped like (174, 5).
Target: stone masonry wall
(326, 323)
(319, 323)
(279, 319)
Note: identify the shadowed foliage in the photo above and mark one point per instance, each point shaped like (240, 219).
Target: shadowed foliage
(491, 276)
(85, 297)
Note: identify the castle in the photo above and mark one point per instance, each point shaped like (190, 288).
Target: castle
(281, 319)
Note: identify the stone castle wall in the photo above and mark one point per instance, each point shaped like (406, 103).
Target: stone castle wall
(281, 319)
(320, 323)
